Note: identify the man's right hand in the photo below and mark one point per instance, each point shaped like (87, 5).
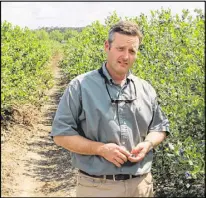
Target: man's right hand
(112, 152)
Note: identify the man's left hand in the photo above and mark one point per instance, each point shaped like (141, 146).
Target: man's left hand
(139, 152)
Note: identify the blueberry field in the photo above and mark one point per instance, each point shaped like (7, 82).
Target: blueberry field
(171, 58)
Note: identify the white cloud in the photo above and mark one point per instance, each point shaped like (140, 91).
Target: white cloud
(76, 14)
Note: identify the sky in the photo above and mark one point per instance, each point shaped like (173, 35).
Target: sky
(80, 14)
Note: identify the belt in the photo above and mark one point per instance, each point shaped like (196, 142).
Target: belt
(112, 177)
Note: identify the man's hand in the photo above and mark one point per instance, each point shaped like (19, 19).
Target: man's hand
(139, 152)
(116, 154)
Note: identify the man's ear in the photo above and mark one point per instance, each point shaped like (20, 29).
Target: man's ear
(106, 46)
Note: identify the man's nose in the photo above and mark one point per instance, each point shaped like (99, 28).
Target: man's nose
(126, 55)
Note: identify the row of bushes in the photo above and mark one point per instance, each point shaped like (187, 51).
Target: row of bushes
(171, 58)
(25, 73)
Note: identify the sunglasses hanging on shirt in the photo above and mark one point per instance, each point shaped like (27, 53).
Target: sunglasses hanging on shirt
(116, 101)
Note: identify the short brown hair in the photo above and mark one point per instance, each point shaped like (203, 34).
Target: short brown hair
(127, 28)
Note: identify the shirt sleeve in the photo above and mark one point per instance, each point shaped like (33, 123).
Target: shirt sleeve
(159, 120)
(65, 122)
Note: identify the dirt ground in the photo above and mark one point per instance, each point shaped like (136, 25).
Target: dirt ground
(32, 165)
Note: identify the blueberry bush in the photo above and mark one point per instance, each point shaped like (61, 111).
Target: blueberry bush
(171, 58)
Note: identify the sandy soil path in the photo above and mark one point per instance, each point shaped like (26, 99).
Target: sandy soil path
(32, 165)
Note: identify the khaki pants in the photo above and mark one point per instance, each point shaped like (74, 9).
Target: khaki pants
(96, 187)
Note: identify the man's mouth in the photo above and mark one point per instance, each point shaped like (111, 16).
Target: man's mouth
(122, 63)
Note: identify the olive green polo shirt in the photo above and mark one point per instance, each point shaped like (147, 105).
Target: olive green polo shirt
(86, 109)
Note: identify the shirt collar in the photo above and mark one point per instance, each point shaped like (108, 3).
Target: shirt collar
(106, 73)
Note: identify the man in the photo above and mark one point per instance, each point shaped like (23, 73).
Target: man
(110, 120)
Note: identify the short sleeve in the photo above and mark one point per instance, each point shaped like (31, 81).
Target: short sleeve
(159, 120)
(65, 122)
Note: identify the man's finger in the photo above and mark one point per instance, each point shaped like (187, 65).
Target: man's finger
(136, 158)
(116, 163)
(118, 159)
(123, 157)
(137, 149)
(124, 151)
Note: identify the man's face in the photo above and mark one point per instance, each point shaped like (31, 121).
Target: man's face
(122, 53)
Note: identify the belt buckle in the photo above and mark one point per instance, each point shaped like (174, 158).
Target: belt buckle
(120, 177)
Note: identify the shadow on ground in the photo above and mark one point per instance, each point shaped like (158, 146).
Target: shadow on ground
(54, 100)
(53, 166)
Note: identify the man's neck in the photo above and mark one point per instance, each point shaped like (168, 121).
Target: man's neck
(118, 79)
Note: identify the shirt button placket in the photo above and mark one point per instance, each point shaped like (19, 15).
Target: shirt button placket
(123, 128)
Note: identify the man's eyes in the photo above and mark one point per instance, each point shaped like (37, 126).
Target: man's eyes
(122, 49)
(132, 52)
